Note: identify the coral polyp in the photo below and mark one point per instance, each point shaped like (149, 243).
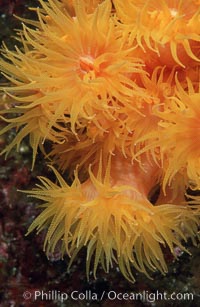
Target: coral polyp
(108, 91)
(168, 28)
(114, 219)
(81, 72)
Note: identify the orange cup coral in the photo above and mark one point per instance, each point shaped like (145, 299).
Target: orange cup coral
(168, 28)
(112, 216)
(114, 89)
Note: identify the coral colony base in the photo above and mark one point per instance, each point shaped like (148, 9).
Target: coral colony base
(114, 89)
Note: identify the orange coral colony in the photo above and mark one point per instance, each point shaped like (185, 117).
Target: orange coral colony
(113, 88)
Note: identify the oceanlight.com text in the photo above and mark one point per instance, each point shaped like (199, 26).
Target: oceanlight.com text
(145, 296)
